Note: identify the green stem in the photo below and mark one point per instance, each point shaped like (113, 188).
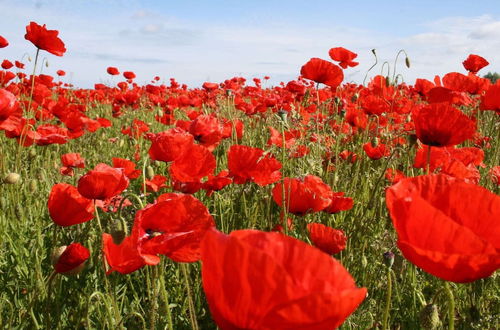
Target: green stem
(192, 316)
(106, 281)
(385, 319)
(451, 306)
(165, 296)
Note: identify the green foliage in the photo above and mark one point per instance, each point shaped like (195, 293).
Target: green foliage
(29, 300)
(492, 76)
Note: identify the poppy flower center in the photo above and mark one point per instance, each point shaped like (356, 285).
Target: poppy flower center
(152, 233)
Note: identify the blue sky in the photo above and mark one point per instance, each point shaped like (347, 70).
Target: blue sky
(197, 41)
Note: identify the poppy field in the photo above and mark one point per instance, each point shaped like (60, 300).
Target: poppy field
(314, 204)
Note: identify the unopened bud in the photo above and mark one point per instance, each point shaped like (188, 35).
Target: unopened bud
(118, 232)
(283, 114)
(32, 153)
(150, 172)
(46, 64)
(429, 317)
(407, 62)
(388, 259)
(12, 178)
(33, 185)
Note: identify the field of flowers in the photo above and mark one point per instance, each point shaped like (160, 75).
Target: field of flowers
(315, 204)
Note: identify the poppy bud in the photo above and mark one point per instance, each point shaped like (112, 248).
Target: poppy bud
(388, 259)
(40, 175)
(121, 143)
(373, 51)
(71, 260)
(29, 58)
(46, 64)
(12, 178)
(387, 81)
(429, 317)
(150, 172)
(32, 153)
(355, 97)
(33, 185)
(407, 62)
(283, 114)
(118, 231)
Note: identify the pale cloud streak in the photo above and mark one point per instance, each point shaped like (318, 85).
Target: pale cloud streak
(153, 43)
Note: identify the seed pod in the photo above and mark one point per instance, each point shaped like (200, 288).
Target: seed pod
(121, 143)
(12, 178)
(429, 317)
(150, 172)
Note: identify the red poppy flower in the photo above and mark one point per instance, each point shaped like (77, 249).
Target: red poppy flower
(195, 163)
(156, 183)
(303, 195)
(173, 226)
(491, 99)
(73, 257)
(376, 152)
(129, 75)
(136, 129)
(447, 227)
(19, 65)
(327, 239)
(125, 257)
(208, 130)
(169, 145)
(344, 56)
(113, 71)
(339, 203)
(6, 64)
(441, 125)
(250, 164)
(61, 73)
(495, 174)
(323, 72)
(394, 176)
(3, 42)
(67, 207)
(474, 63)
(102, 182)
(69, 161)
(216, 183)
(45, 39)
(259, 280)
(128, 167)
(442, 157)
(8, 104)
